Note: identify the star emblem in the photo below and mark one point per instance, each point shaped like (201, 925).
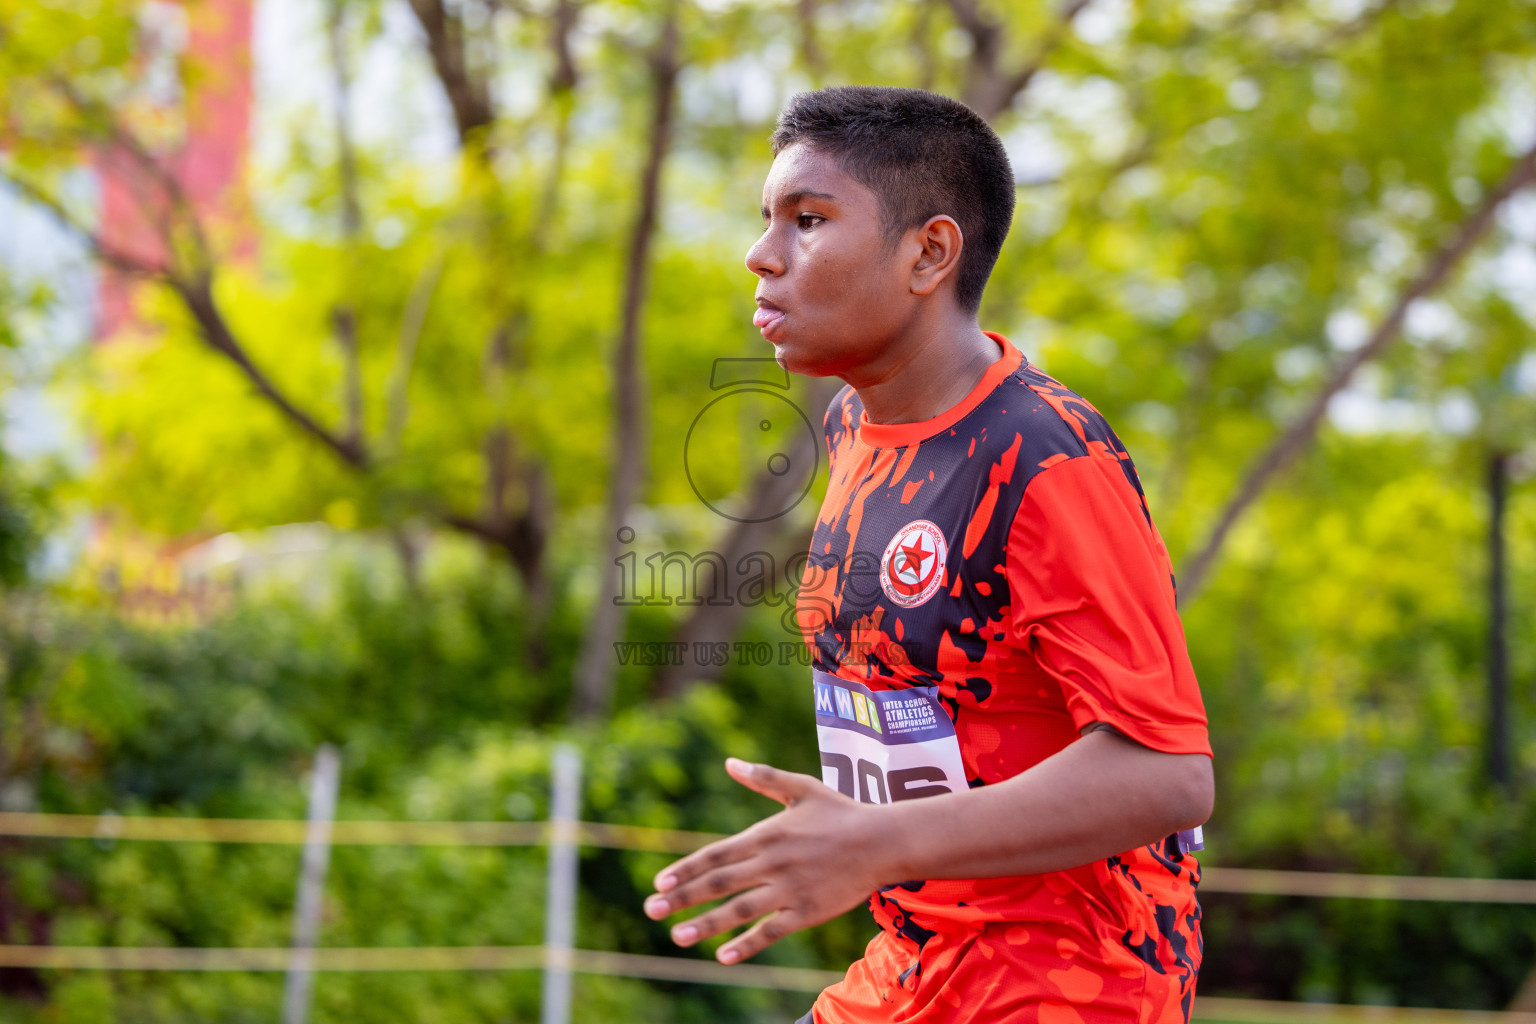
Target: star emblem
(913, 556)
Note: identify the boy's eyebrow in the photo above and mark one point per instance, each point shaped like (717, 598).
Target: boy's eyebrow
(791, 198)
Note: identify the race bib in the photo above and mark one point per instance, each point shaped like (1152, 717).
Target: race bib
(880, 746)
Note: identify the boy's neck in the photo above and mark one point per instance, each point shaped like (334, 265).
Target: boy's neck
(926, 371)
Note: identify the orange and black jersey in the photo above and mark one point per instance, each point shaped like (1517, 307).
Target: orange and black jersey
(1003, 554)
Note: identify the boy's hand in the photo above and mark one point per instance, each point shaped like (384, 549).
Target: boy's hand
(820, 856)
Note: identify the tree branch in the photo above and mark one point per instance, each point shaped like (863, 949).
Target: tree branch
(195, 287)
(121, 139)
(1047, 46)
(522, 538)
(989, 88)
(120, 260)
(562, 93)
(197, 297)
(1134, 157)
(468, 94)
(1300, 434)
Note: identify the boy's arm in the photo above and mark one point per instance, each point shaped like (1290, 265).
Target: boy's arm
(824, 853)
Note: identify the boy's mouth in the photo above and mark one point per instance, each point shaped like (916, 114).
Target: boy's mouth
(767, 315)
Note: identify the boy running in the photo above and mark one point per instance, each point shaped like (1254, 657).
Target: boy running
(1013, 743)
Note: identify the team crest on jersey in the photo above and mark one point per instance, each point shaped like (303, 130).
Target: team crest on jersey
(912, 569)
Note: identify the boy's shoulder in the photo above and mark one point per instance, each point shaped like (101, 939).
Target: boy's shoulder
(1063, 423)
(841, 420)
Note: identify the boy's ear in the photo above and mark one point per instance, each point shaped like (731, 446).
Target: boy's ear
(940, 241)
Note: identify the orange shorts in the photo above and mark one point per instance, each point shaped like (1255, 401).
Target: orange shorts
(1075, 968)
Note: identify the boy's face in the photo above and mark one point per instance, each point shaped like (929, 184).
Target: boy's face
(833, 291)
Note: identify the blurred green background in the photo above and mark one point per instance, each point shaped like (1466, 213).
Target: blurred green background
(340, 339)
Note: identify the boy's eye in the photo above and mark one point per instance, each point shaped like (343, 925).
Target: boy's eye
(808, 220)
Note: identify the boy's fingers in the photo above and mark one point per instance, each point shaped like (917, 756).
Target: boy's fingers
(716, 855)
(760, 936)
(712, 885)
(733, 913)
(785, 787)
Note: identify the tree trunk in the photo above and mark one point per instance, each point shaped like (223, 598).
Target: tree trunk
(344, 315)
(1498, 647)
(596, 667)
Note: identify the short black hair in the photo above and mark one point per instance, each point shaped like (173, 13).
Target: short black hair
(923, 154)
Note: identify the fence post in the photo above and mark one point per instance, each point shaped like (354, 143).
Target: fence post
(560, 890)
(306, 910)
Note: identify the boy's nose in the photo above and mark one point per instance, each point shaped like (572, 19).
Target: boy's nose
(762, 260)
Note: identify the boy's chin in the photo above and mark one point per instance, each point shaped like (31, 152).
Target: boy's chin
(787, 357)
(795, 360)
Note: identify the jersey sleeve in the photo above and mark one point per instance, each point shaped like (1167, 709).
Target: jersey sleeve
(1092, 600)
